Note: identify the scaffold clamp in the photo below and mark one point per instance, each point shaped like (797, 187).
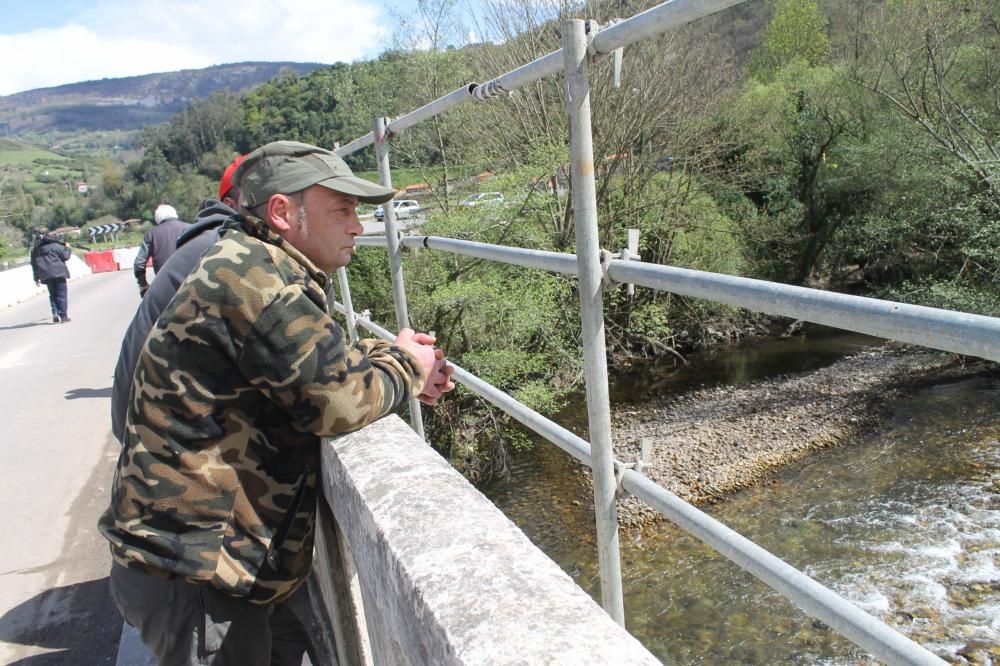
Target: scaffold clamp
(607, 284)
(592, 27)
(640, 466)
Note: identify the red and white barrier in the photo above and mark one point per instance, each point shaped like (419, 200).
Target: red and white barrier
(101, 262)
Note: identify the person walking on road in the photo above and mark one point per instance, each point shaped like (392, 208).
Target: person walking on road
(213, 506)
(158, 244)
(48, 265)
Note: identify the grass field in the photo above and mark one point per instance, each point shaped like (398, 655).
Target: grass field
(31, 157)
(41, 163)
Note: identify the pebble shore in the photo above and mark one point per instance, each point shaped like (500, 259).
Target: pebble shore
(710, 443)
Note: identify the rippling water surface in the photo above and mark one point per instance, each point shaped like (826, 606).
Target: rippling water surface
(904, 522)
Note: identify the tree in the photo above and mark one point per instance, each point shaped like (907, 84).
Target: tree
(16, 204)
(797, 32)
(433, 71)
(802, 165)
(199, 129)
(515, 328)
(937, 64)
(152, 176)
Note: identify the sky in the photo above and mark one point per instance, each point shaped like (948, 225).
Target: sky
(52, 42)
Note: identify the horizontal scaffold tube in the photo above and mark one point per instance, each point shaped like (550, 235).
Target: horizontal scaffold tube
(429, 110)
(535, 70)
(865, 630)
(550, 430)
(659, 19)
(655, 21)
(957, 332)
(556, 262)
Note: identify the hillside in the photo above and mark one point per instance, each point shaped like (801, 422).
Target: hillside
(130, 102)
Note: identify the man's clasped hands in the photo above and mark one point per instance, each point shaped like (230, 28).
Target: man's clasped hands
(433, 368)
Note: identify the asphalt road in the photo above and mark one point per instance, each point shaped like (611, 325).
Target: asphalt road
(375, 227)
(57, 458)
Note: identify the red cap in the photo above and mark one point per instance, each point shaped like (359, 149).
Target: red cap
(226, 183)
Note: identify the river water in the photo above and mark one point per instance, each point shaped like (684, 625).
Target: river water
(905, 522)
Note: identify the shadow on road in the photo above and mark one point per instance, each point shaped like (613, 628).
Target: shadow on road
(28, 325)
(77, 393)
(79, 621)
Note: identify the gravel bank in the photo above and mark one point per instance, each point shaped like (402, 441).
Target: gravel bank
(710, 443)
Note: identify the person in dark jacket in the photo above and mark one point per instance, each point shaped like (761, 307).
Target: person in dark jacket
(159, 243)
(48, 265)
(191, 244)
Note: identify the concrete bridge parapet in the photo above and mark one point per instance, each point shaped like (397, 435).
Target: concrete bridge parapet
(420, 568)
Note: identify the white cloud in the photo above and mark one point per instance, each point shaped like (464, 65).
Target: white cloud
(128, 37)
(75, 53)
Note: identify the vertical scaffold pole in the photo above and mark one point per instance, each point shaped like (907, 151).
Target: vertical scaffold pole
(574, 44)
(395, 258)
(345, 298)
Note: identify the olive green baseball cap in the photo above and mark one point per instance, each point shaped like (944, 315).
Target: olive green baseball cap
(285, 167)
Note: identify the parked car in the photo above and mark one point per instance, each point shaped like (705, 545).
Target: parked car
(404, 208)
(483, 199)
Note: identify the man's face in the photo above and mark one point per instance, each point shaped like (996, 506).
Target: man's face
(325, 235)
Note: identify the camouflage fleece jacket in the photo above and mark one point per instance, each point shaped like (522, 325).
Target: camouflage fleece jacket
(242, 374)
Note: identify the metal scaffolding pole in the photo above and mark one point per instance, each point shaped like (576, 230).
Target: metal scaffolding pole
(429, 110)
(947, 330)
(958, 332)
(395, 258)
(588, 252)
(345, 297)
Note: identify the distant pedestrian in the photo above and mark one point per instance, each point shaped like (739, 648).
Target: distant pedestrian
(159, 243)
(48, 265)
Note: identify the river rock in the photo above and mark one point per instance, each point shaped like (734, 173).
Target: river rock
(980, 654)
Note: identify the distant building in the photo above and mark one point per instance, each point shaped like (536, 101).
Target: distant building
(82, 188)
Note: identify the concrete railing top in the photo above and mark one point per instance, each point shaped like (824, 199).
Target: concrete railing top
(454, 581)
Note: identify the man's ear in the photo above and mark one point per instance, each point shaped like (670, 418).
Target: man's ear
(279, 209)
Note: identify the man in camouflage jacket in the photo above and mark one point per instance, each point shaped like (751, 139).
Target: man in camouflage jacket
(213, 504)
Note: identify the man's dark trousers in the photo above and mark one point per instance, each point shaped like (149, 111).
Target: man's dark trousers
(184, 624)
(58, 296)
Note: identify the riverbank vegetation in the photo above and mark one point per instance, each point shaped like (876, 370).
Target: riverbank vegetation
(842, 144)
